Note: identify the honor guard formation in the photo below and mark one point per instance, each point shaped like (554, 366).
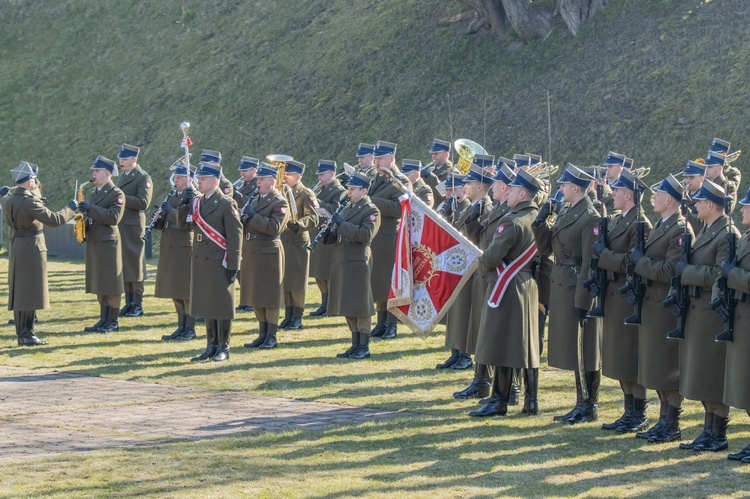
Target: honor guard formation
(656, 305)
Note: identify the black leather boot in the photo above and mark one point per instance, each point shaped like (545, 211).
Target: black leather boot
(111, 325)
(180, 328)
(211, 342)
(103, 316)
(270, 341)
(670, 431)
(659, 426)
(638, 419)
(137, 309)
(222, 349)
(589, 408)
(463, 362)
(287, 318)
(740, 455)
(351, 349)
(189, 333)
(627, 413)
(27, 337)
(531, 385)
(323, 308)
(576, 408)
(262, 333)
(718, 439)
(708, 426)
(450, 360)
(128, 304)
(514, 397)
(495, 406)
(391, 330)
(296, 318)
(479, 386)
(363, 350)
(380, 327)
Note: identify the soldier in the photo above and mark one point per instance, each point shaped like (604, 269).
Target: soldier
(385, 193)
(571, 238)
(27, 266)
(714, 164)
(732, 174)
(620, 341)
(262, 276)
(352, 232)
(329, 193)
(225, 186)
(103, 210)
(136, 185)
(702, 359)
(694, 174)
(366, 159)
(658, 357)
(215, 259)
(615, 163)
(736, 380)
(411, 169)
(295, 240)
(508, 332)
(246, 184)
(441, 167)
(173, 268)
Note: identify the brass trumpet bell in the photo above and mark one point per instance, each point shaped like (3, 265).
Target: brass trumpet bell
(466, 150)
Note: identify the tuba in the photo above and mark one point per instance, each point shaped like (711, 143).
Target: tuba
(466, 150)
(279, 161)
(79, 229)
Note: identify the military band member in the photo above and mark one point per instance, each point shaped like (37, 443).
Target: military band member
(352, 232)
(736, 380)
(702, 359)
(246, 184)
(508, 332)
(441, 167)
(715, 164)
(103, 210)
(217, 244)
(262, 276)
(384, 193)
(620, 341)
(732, 174)
(366, 159)
(694, 174)
(27, 266)
(136, 185)
(658, 357)
(329, 193)
(571, 238)
(225, 186)
(296, 239)
(173, 268)
(455, 199)
(411, 169)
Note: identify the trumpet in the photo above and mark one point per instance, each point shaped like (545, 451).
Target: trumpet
(279, 161)
(731, 157)
(348, 171)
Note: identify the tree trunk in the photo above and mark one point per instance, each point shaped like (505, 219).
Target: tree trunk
(575, 13)
(491, 12)
(527, 19)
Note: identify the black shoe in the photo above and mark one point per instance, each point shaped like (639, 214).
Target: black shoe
(285, 323)
(345, 354)
(295, 324)
(109, 327)
(221, 355)
(207, 354)
(200, 320)
(135, 311)
(256, 342)
(740, 455)
(390, 331)
(95, 327)
(718, 439)
(188, 335)
(570, 414)
(455, 355)
(699, 440)
(175, 334)
(463, 362)
(495, 407)
(30, 340)
(476, 390)
(270, 342)
(125, 310)
(321, 311)
(244, 308)
(362, 352)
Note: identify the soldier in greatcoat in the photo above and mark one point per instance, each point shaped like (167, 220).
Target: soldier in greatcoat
(694, 175)
(411, 169)
(508, 332)
(736, 380)
(615, 163)
(351, 232)
(103, 210)
(620, 341)
(26, 216)
(136, 185)
(366, 159)
(263, 256)
(570, 239)
(296, 239)
(659, 357)
(246, 185)
(702, 359)
(732, 175)
(217, 245)
(440, 169)
(384, 193)
(329, 193)
(173, 268)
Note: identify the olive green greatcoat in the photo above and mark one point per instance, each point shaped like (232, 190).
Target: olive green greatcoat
(173, 268)
(736, 379)
(620, 342)
(658, 357)
(543, 264)
(424, 192)
(351, 262)
(384, 194)
(27, 262)
(226, 187)
(439, 173)
(702, 360)
(329, 198)
(262, 275)
(103, 253)
(137, 187)
(244, 191)
(211, 293)
(296, 239)
(509, 334)
(571, 241)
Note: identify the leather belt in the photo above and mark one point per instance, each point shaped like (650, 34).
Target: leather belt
(251, 236)
(570, 262)
(27, 233)
(342, 239)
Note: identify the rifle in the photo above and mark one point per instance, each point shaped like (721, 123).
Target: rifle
(726, 294)
(634, 288)
(597, 281)
(678, 298)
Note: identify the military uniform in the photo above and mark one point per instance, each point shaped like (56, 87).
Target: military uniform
(329, 198)
(226, 187)
(438, 174)
(244, 191)
(27, 266)
(424, 192)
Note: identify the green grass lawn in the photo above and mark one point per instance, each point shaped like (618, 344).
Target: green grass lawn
(435, 449)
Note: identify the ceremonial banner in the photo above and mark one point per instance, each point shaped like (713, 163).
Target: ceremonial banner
(433, 262)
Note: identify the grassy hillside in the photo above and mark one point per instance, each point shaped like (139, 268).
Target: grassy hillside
(654, 80)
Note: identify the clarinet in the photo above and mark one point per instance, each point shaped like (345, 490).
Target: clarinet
(250, 199)
(325, 226)
(157, 214)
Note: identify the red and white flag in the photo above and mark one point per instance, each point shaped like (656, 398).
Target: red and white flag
(433, 262)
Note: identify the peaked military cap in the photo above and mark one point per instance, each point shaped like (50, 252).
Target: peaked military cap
(527, 181)
(522, 160)
(410, 165)
(614, 158)
(209, 169)
(247, 163)
(365, 149)
(383, 148)
(710, 192)
(694, 169)
(504, 174)
(128, 151)
(102, 163)
(478, 174)
(671, 186)
(575, 175)
(359, 179)
(212, 156)
(629, 181)
(719, 146)
(294, 166)
(325, 165)
(267, 170)
(505, 161)
(440, 146)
